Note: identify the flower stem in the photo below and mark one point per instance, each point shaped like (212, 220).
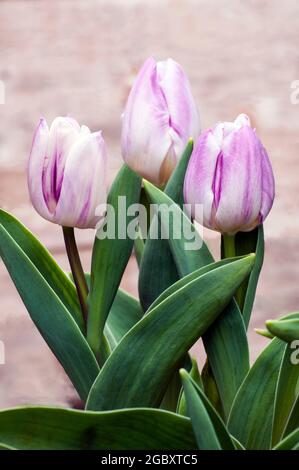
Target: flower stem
(76, 268)
(229, 249)
(229, 246)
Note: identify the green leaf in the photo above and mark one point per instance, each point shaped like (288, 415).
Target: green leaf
(4, 447)
(41, 428)
(252, 412)
(287, 330)
(293, 421)
(237, 444)
(195, 375)
(286, 394)
(250, 242)
(291, 442)
(226, 345)
(187, 257)
(110, 256)
(124, 314)
(45, 264)
(226, 340)
(158, 270)
(141, 366)
(197, 402)
(203, 428)
(50, 315)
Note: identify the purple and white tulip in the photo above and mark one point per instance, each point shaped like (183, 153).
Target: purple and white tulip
(230, 174)
(159, 118)
(67, 173)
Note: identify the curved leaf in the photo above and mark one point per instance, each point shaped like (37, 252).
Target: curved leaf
(42, 428)
(4, 447)
(197, 398)
(187, 258)
(293, 421)
(203, 428)
(286, 395)
(291, 442)
(250, 242)
(252, 412)
(141, 366)
(110, 256)
(50, 315)
(226, 340)
(158, 270)
(285, 329)
(45, 264)
(124, 314)
(226, 345)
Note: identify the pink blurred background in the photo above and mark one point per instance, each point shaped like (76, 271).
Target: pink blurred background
(79, 58)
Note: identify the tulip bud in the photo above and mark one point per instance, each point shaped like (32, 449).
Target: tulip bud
(159, 118)
(67, 173)
(230, 174)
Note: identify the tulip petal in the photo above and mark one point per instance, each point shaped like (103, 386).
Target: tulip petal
(145, 131)
(268, 186)
(239, 196)
(35, 169)
(198, 185)
(63, 132)
(183, 113)
(84, 182)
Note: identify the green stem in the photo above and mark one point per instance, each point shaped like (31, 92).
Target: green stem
(229, 249)
(76, 268)
(229, 246)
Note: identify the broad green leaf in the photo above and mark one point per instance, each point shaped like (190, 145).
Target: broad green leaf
(225, 341)
(42, 428)
(293, 421)
(50, 315)
(187, 254)
(210, 387)
(158, 270)
(250, 242)
(285, 329)
(237, 444)
(124, 313)
(291, 442)
(287, 393)
(110, 256)
(45, 264)
(226, 345)
(203, 428)
(189, 278)
(173, 392)
(252, 412)
(139, 369)
(195, 375)
(197, 395)
(4, 447)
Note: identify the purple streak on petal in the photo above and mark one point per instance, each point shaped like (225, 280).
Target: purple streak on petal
(182, 110)
(268, 185)
(217, 184)
(240, 200)
(84, 183)
(35, 169)
(198, 184)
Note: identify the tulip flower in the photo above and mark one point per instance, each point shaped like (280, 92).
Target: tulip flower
(67, 182)
(67, 173)
(159, 118)
(230, 175)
